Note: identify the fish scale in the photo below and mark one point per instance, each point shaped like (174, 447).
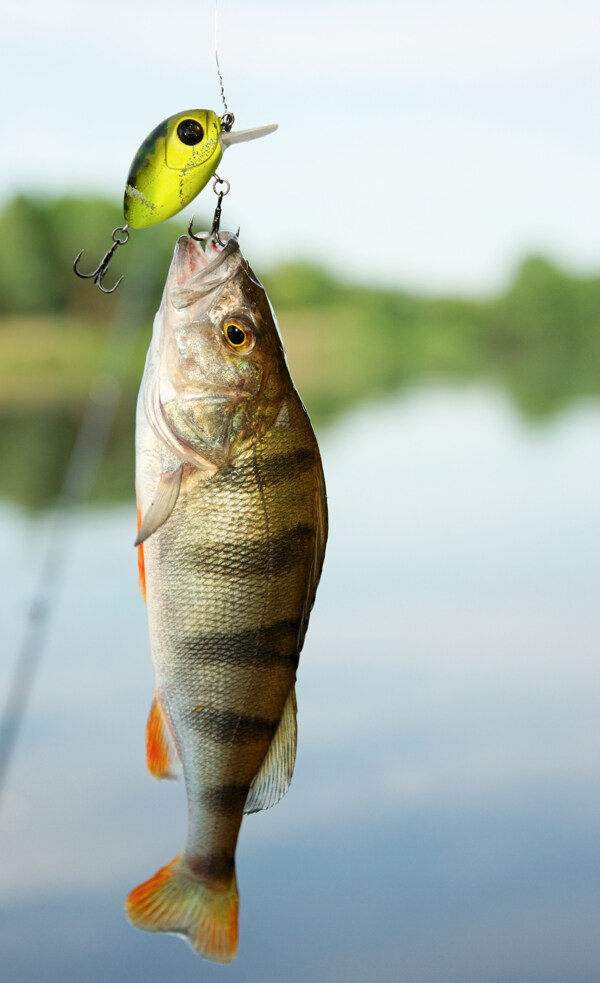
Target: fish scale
(232, 499)
(226, 599)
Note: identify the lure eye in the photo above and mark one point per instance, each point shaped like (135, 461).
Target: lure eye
(238, 336)
(190, 132)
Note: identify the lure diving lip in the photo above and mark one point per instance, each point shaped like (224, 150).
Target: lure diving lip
(174, 163)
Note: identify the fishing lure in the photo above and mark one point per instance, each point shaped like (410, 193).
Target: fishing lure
(176, 161)
(171, 167)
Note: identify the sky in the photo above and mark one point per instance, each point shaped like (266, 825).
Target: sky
(429, 145)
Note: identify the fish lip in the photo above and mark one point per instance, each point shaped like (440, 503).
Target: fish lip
(231, 246)
(203, 282)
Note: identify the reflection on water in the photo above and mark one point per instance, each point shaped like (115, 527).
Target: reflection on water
(442, 822)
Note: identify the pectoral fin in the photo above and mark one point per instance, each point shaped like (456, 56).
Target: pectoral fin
(162, 504)
(273, 779)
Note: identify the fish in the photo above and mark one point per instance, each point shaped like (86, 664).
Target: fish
(232, 520)
(175, 162)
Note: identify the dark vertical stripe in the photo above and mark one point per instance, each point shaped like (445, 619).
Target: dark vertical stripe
(243, 557)
(274, 469)
(217, 866)
(226, 727)
(225, 799)
(278, 646)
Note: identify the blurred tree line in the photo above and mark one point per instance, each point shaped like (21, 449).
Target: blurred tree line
(345, 343)
(39, 239)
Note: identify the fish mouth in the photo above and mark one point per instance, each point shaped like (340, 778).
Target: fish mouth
(198, 272)
(207, 250)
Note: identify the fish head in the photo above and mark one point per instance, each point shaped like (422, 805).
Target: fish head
(220, 370)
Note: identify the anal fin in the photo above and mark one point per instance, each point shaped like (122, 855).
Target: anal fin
(161, 755)
(273, 778)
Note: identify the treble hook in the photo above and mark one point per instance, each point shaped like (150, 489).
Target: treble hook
(217, 216)
(100, 271)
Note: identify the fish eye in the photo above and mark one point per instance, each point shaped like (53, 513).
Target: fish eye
(238, 337)
(190, 132)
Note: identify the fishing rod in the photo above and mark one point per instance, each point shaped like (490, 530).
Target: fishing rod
(84, 463)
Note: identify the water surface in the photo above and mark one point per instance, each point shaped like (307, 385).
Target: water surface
(442, 825)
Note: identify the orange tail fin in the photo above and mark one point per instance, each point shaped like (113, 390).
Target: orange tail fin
(174, 900)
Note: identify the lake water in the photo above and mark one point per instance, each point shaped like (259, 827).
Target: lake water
(442, 825)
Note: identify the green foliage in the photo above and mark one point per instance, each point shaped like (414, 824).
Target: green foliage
(40, 238)
(541, 340)
(543, 336)
(30, 278)
(301, 285)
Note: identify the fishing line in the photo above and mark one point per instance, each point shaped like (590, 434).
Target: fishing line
(192, 143)
(217, 58)
(82, 469)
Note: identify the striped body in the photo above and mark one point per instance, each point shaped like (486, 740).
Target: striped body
(226, 582)
(230, 578)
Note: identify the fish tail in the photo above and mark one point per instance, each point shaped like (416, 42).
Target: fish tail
(177, 901)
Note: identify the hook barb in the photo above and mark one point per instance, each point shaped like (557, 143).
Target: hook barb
(223, 189)
(203, 235)
(100, 272)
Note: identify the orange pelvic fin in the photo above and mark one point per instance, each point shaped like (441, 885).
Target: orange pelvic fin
(141, 565)
(161, 756)
(176, 901)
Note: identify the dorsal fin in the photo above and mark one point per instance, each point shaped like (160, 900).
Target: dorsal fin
(273, 779)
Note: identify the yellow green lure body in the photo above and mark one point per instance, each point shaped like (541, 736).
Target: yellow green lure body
(174, 163)
(171, 167)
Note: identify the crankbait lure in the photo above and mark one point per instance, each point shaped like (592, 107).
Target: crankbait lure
(172, 165)
(176, 161)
